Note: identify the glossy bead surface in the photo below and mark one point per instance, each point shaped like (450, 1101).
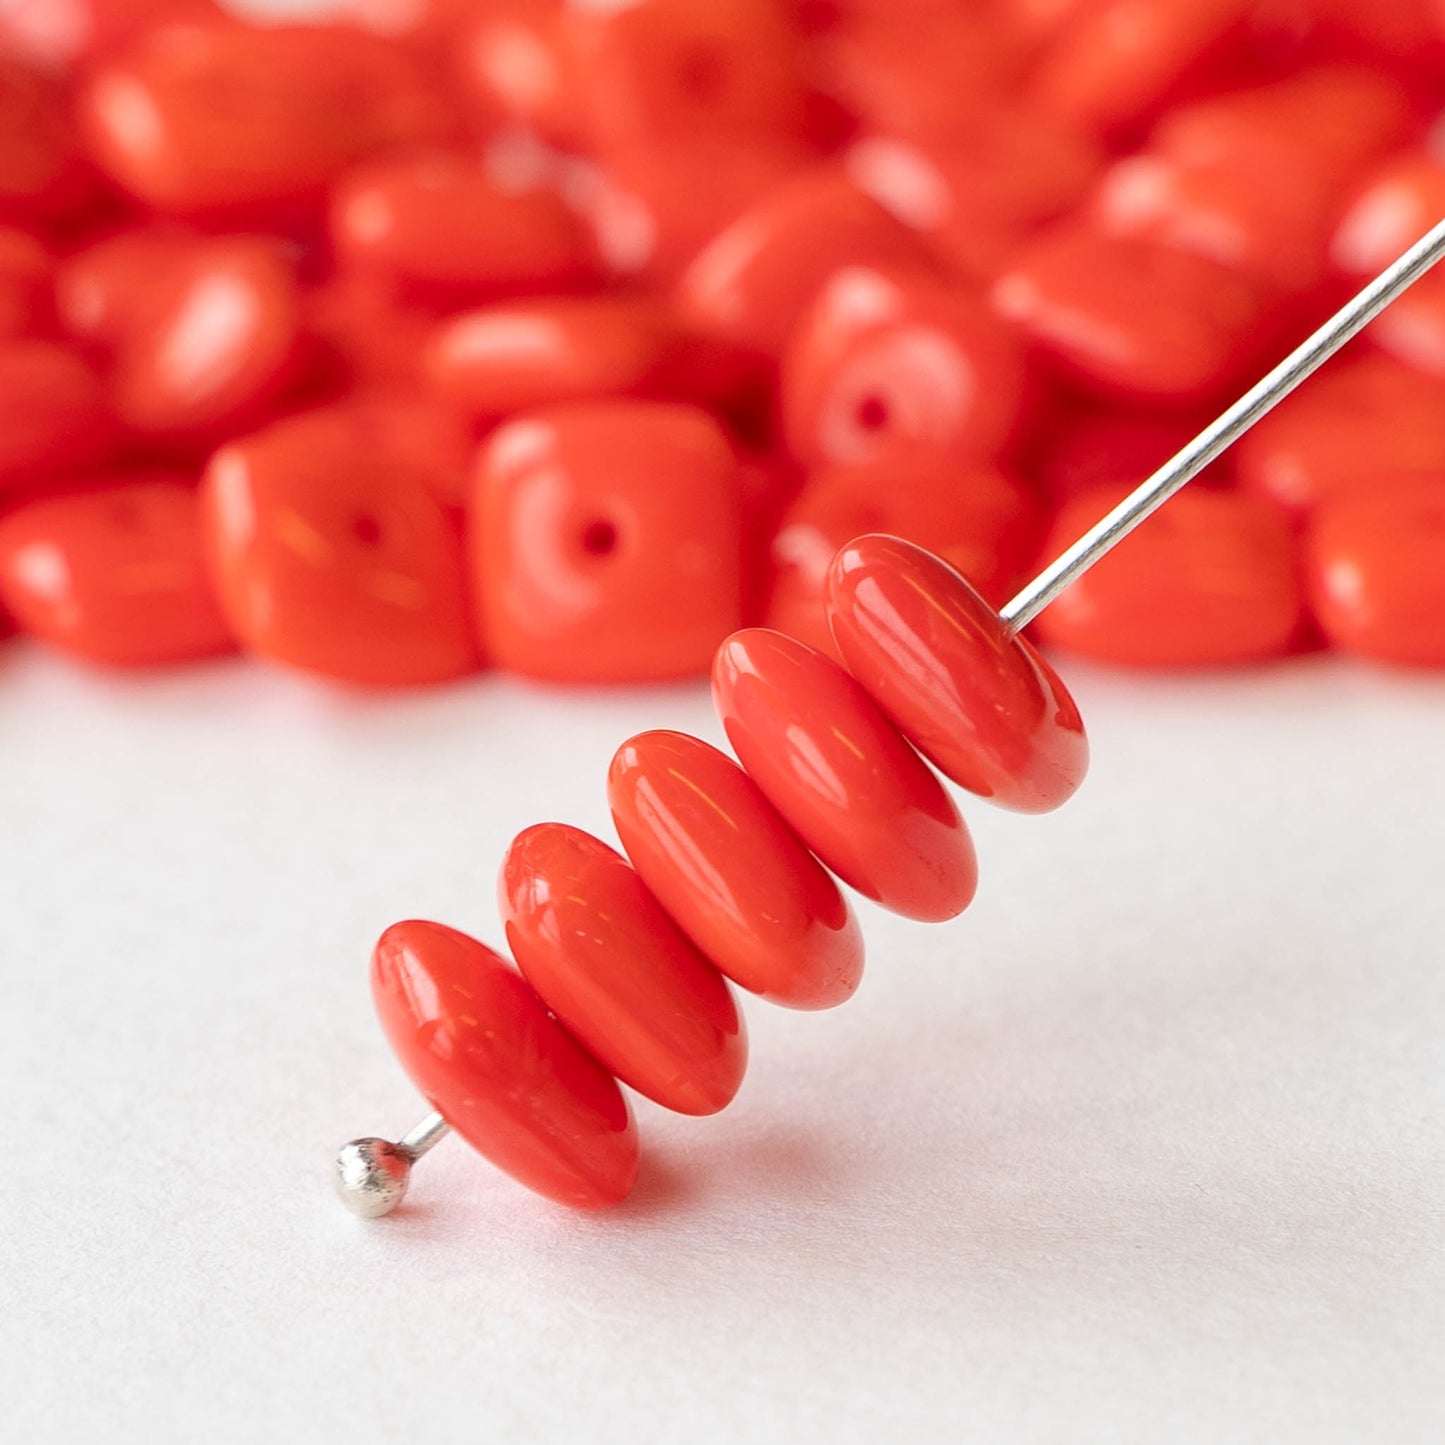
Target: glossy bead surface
(886, 365)
(217, 338)
(611, 965)
(53, 416)
(514, 356)
(750, 285)
(605, 542)
(1375, 573)
(439, 224)
(1208, 581)
(500, 1069)
(975, 699)
(1361, 421)
(842, 776)
(222, 120)
(979, 520)
(113, 575)
(1131, 317)
(333, 556)
(731, 874)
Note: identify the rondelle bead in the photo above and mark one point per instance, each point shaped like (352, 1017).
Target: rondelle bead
(1209, 581)
(113, 574)
(731, 873)
(972, 696)
(843, 776)
(606, 541)
(1375, 573)
(333, 554)
(500, 1069)
(613, 967)
(53, 416)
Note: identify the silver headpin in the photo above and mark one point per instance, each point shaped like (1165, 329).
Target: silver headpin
(372, 1174)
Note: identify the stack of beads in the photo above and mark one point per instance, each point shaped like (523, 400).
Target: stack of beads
(566, 339)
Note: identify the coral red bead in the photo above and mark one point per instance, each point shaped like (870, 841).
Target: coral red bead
(513, 67)
(26, 269)
(222, 120)
(887, 365)
(53, 417)
(974, 698)
(1398, 204)
(439, 224)
(606, 959)
(42, 176)
(500, 1069)
(55, 34)
(1096, 450)
(113, 575)
(518, 355)
(1375, 570)
(979, 520)
(104, 290)
(214, 339)
(1358, 423)
(1132, 317)
(1210, 580)
(750, 285)
(663, 72)
(1113, 62)
(842, 776)
(332, 556)
(730, 872)
(606, 542)
(976, 198)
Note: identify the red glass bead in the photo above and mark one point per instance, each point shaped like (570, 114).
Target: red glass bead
(1210, 580)
(114, 574)
(53, 417)
(1397, 205)
(440, 225)
(750, 285)
(331, 556)
(214, 338)
(886, 365)
(606, 542)
(1248, 180)
(657, 73)
(1375, 570)
(975, 199)
(652, 210)
(514, 67)
(842, 776)
(227, 121)
(1114, 62)
(500, 1069)
(26, 268)
(731, 874)
(605, 958)
(1357, 424)
(1131, 317)
(979, 520)
(107, 289)
(518, 355)
(369, 333)
(975, 699)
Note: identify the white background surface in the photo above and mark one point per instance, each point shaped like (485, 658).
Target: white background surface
(1149, 1146)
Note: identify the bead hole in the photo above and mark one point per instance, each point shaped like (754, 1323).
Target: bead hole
(703, 74)
(366, 530)
(872, 413)
(600, 539)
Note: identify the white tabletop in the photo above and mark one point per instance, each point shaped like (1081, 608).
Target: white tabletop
(1149, 1146)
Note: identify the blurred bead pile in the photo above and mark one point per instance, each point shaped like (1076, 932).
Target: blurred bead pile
(567, 339)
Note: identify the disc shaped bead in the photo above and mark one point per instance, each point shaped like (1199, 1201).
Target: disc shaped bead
(500, 1069)
(843, 776)
(972, 697)
(734, 877)
(606, 959)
